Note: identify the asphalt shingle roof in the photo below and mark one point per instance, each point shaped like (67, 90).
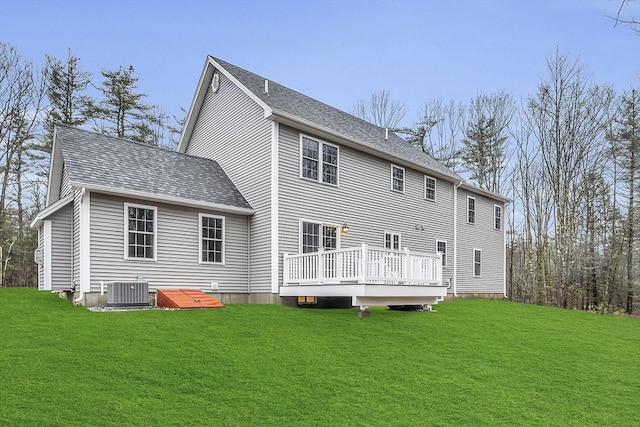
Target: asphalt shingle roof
(281, 98)
(98, 160)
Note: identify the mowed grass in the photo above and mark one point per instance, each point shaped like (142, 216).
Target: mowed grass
(473, 362)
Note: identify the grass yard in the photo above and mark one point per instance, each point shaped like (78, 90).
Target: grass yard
(473, 362)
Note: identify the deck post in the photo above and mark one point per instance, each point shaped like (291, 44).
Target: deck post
(406, 270)
(363, 263)
(320, 265)
(285, 268)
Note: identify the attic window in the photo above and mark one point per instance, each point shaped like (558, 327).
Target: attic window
(318, 161)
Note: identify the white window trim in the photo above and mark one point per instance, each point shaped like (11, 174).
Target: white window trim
(392, 234)
(224, 238)
(446, 245)
(495, 217)
(435, 188)
(126, 231)
(404, 178)
(473, 268)
(475, 210)
(321, 224)
(320, 162)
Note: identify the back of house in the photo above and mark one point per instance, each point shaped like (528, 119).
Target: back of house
(286, 198)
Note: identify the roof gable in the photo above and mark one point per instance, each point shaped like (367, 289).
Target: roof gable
(286, 105)
(113, 165)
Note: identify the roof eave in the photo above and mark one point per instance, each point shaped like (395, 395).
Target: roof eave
(486, 193)
(49, 210)
(160, 198)
(56, 165)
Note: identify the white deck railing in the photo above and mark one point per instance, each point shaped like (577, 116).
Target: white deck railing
(363, 265)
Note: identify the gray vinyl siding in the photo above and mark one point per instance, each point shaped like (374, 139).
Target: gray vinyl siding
(41, 265)
(484, 237)
(65, 188)
(177, 254)
(61, 248)
(364, 200)
(232, 130)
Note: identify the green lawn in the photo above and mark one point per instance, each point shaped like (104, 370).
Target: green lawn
(473, 362)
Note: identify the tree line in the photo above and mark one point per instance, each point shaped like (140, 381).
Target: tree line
(32, 100)
(568, 156)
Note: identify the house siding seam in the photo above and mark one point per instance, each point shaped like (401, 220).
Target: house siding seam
(231, 129)
(479, 236)
(178, 259)
(363, 200)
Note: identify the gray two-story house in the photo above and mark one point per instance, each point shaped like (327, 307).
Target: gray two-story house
(270, 195)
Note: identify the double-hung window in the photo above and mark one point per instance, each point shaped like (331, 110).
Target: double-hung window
(316, 236)
(211, 239)
(441, 247)
(497, 217)
(429, 188)
(397, 178)
(471, 210)
(392, 241)
(140, 237)
(477, 262)
(319, 161)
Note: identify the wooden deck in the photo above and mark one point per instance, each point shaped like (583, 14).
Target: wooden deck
(370, 276)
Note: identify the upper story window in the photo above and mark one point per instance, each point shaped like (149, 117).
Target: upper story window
(477, 262)
(211, 239)
(497, 217)
(429, 188)
(392, 241)
(397, 178)
(441, 247)
(471, 210)
(318, 161)
(315, 235)
(140, 229)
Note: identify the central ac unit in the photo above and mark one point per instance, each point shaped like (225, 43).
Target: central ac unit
(125, 294)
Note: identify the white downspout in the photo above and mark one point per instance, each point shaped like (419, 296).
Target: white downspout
(455, 238)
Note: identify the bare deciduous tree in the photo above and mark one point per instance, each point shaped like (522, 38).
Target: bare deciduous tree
(438, 131)
(380, 110)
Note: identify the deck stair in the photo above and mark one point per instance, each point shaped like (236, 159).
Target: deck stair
(186, 298)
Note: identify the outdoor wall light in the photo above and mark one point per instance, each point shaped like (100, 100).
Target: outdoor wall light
(344, 228)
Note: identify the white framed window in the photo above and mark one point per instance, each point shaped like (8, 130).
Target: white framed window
(397, 178)
(441, 247)
(140, 231)
(316, 235)
(477, 263)
(392, 241)
(212, 239)
(429, 188)
(318, 160)
(471, 210)
(497, 217)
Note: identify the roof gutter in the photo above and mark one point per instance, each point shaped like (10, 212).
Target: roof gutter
(163, 198)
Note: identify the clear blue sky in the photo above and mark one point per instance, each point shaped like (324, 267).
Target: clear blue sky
(335, 51)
